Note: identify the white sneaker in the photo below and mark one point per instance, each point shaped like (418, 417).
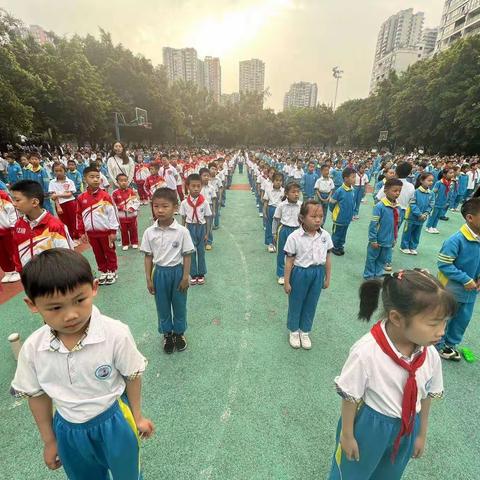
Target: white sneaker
(102, 278)
(124, 248)
(14, 277)
(305, 341)
(271, 248)
(134, 247)
(111, 278)
(281, 281)
(413, 252)
(429, 230)
(436, 231)
(260, 215)
(406, 251)
(294, 339)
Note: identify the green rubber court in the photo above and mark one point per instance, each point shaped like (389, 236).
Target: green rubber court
(240, 403)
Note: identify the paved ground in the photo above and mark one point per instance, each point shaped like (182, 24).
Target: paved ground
(240, 403)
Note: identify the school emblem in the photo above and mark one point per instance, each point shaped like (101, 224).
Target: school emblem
(175, 244)
(103, 372)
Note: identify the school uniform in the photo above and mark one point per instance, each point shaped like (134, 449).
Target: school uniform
(285, 222)
(97, 217)
(93, 424)
(307, 276)
(337, 177)
(376, 383)
(383, 230)
(170, 175)
(168, 246)
(41, 176)
(32, 237)
(459, 264)
(309, 181)
(217, 184)
(422, 203)
(76, 178)
(140, 175)
(152, 183)
(127, 204)
(8, 218)
(196, 211)
(14, 173)
(324, 187)
(361, 181)
(273, 198)
(208, 191)
(441, 190)
(462, 184)
(68, 205)
(342, 206)
(472, 182)
(406, 194)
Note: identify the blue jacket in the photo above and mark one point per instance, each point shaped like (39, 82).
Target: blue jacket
(342, 206)
(337, 178)
(81, 167)
(76, 178)
(378, 186)
(14, 173)
(41, 176)
(3, 186)
(382, 226)
(441, 195)
(459, 263)
(462, 184)
(309, 180)
(422, 202)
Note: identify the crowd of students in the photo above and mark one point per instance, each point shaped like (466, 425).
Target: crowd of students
(382, 425)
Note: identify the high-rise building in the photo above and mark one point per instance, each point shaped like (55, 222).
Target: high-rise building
(400, 43)
(230, 98)
(460, 18)
(252, 76)
(212, 76)
(301, 94)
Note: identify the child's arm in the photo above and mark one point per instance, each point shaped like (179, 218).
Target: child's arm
(446, 264)
(328, 270)
(41, 408)
(148, 264)
(145, 426)
(419, 445)
(288, 270)
(184, 283)
(347, 438)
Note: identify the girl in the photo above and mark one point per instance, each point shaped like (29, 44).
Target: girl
(271, 200)
(390, 376)
(62, 192)
(119, 162)
(441, 190)
(140, 175)
(285, 221)
(419, 209)
(307, 271)
(324, 187)
(361, 180)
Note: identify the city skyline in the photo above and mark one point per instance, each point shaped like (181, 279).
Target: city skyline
(299, 40)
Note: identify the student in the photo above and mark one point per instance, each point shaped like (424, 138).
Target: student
(459, 271)
(324, 188)
(14, 170)
(342, 205)
(104, 183)
(34, 171)
(127, 202)
(383, 230)
(8, 218)
(271, 200)
(390, 377)
(472, 180)
(3, 186)
(307, 272)
(462, 184)
(37, 229)
(97, 224)
(361, 180)
(62, 192)
(386, 175)
(75, 176)
(209, 193)
(140, 175)
(195, 212)
(336, 174)
(441, 190)
(154, 180)
(309, 181)
(217, 182)
(285, 221)
(420, 208)
(81, 373)
(169, 173)
(167, 269)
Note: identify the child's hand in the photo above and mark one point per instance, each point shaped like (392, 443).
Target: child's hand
(84, 238)
(287, 287)
(50, 455)
(59, 210)
(374, 245)
(326, 283)
(471, 285)
(111, 240)
(150, 286)
(350, 447)
(184, 284)
(145, 427)
(418, 447)
(206, 238)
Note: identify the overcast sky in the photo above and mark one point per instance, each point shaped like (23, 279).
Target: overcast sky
(297, 39)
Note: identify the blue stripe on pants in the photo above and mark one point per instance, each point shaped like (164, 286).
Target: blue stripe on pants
(197, 232)
(375, 262)
(106, 443)
(375, 435)
(282, 234)
(307, 284)
(268, 225)
(171, 303)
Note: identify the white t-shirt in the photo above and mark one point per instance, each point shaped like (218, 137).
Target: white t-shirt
(62, 186)
(324, 185)
(170, 175)
(308, 249)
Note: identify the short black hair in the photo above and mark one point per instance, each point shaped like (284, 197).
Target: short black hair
(193, 177)
(165, 193)
(203, 170)
(347, 172)
(71, 161)
(31, 189)
(121, 175)
(471, 207)
(403, 170)
(57, 270)
(393, 182)
(90, 169)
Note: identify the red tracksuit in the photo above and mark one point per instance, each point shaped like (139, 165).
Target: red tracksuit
(97, 217)
(140, 175)
(127, 207)
(69, 217)
(8, 218)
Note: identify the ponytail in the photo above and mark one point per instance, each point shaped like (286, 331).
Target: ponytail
(369, 293)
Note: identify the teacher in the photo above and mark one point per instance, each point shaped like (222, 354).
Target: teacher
(119, 162)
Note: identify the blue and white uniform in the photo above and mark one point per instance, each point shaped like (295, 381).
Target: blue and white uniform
(441, 192)
(342, 205)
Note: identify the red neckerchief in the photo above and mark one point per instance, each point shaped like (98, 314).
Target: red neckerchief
(198, 203)
(395, 222)
(447, 184)
(410, 391)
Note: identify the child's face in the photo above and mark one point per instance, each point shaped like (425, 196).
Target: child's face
(163, 209)
(473, 221)
(450, 174)
(205, 178)
(194, 187)
(325, 172)
(390, 174)
(24, 161)
(277, 183)
(123, 182)
(10, 160)
(213, 171)
(71, 166)
(69, 313)
(93, 180)
(153, 169)
(24, 204)
(165, 162)
(311, 168)
(393, 193)
(59, 172)
(293, 195)
(34, 161)
(313, 219)
(350, 180)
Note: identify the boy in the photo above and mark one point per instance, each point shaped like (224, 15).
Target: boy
(37, 230)
(167, 269)
(324, 187)
(196, 213)
(34, 171)
(14, 170)
(84, 364)
(208, 191)
(8, 217)
(342, 205)
(361, 180)
(127, 203)
(459, 270)
(169, 173)
(309, 180)
(383, 230)
(154, 180)
(97, 224)
(218, 184)
(75, 176)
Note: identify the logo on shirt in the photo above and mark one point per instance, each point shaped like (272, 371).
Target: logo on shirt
(324, 240)
(428, 384)
(103, 372)
(175, 244)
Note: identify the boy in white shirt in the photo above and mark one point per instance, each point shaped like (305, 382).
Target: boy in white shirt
(210, 194)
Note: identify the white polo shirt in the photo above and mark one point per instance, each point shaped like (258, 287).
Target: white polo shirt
(167, 245)
(406, 194)
(208, 191)
(62, 186)
(86, 381)
(274, 197)
(308, 249)
(361, 180)
(288, 213)
(324, 185)
(372, 376)
(203, 211)
(170, 175)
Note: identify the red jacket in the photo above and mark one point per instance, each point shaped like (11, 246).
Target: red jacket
(8, 214)
(152, 183)
(126, 202)
(96, 214)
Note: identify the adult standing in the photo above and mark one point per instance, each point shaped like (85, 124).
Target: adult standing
(120, 162)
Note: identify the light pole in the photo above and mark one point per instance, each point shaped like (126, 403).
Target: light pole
(337, 74)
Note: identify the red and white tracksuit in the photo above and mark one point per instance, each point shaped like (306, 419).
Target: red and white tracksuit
(140, 175)
(8, 218)
(127, 204)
